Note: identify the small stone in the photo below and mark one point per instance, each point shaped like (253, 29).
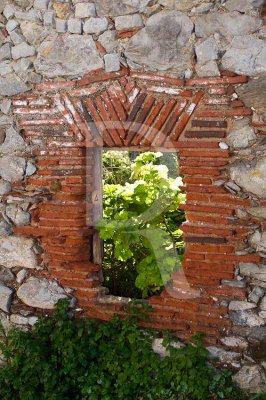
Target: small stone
(109, 41)
(5, 323)
(5, 68)
(5, 228)
(9, 11)
(258, 212)
(207, 51)
(241, 134)
(12, 168)
(116, 8)
(112, 62)
(61, 25)
(202, 8)
(30, 169)
(21, 275)
(16, 37)
(235, 342)
(262, 314)
(246, 318)
(5, 52)
(256, 295)
(74, 25)
(41, 4)
(258, 241)
(5, 298)
(223, 145)
(233, 283)
(18, 319)
(128, 22)
(253, 93)
(11, 85)
(6, 276)
(11, 25)
(13, 142)
(32, 320)
(17, 252)
(34, 33)
(224, 356)
(85, 10)
(22, 50)
(158, 347)
(40, 293)
(17, 215)
(248, 269)
(95, 25)
(5, 187)
(5, 106)
(251, 378)
(241, 305)
(62, 10)
(30, 15)
(263, 304)
(49, 18)
(208, 69)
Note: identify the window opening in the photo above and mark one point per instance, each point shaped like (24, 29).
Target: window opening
(140, 224)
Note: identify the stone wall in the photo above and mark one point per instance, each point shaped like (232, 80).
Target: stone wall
(209, 54)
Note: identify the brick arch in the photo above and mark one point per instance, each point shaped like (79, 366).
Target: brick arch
(67, 121)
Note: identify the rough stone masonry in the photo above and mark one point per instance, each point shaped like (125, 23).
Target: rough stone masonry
(211, 51)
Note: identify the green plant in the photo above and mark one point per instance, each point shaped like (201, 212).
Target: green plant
(142, 240)
(68, 359)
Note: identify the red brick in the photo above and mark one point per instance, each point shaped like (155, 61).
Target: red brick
(216, 81)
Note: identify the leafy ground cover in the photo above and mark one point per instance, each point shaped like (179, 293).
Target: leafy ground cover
(69, 359)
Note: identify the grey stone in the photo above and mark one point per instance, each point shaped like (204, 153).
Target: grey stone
(224, 356)
(263, 304)
(242, 5)
(40, 293)
(34, 33)
(12, 168)
(254, 92)
(258, 241)
(5, 68)
(3, 3)
(17, 252)
(22, 67)
(5, 228)
(251, 378)
(85, 10)
(5, 52)
(148, 47)
(31, 15)
(241, 134)
(6, 276)
(95, 25)
(16, 37)
(202, 8)
(18, 319)
(22, 50)
(241, 305)
(11, 85)
(159, 348)
(256, 294)
(112, 62)
(250, 176)
(246, 318)
(226, 24)
(32, 320)
(251, 54)
(251, 334)
(60, 25)
(109, 41)
(9, 11)
(128, 21)
(13, 142)
(248, 269)
(17, 215)
(49, 18)
(30, 169)
(208, 69)
(5, 106)
(258, 212)
(41, 4)
(262, 314)
(74, 25)
(69, 55)
(206, 51)
(4, 321)
(116, 8)
(11, 25)
(5, 298)
(233, 283)
(5, 187)
(235, 342)
(21, 276)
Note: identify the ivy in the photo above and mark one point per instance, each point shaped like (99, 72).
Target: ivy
(140, 227)
(69, 359)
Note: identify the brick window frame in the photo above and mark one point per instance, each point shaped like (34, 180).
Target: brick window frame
(64, 121)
